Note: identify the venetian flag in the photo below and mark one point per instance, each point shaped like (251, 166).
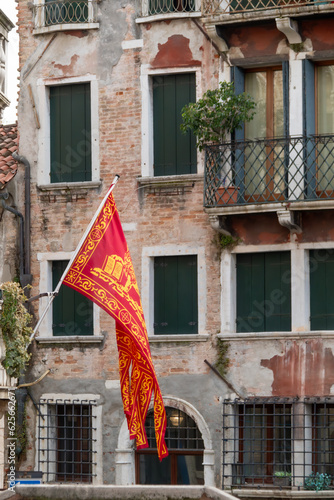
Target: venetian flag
(102, 271)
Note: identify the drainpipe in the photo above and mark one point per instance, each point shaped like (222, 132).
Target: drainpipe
(3, 197)
(27, 277)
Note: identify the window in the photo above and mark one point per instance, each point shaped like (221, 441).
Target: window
(184, 465)
(263, 292)
(67, 440)
(70, 131)
(72, 312)
(324, 438)
(277, 441)
(322, 289)
(174, 152)
(175, 295)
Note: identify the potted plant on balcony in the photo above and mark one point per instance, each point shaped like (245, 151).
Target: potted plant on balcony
(218, 113)
(282, 478)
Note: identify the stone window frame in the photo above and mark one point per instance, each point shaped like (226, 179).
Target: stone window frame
(147, 119)
(147, 289)
(97, 441)
(44, 167)
(44, 335)
(300, 302)
(125, 451)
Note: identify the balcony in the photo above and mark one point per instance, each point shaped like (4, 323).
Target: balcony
(264, 174)
(65, 15)
(216, 7)
(172, 8)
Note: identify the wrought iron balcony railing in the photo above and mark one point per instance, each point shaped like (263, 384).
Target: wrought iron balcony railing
(211, 7)
(155, 7)
(55, 12)
(261, 171)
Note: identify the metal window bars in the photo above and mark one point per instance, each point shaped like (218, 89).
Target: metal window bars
(277, 442)
(211, 7)
(181, 431)
(55, 12)
(65, 440)
(273, 170)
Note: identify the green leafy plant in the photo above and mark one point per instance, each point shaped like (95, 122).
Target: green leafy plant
(228, 242)
(14, 321)
(317, 481)
(223, 360)
(217, 113)
(282, 473)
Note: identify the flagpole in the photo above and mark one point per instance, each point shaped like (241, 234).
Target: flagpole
(56, 290)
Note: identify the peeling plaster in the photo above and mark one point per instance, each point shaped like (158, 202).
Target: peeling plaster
(303, 369)
(175, 52)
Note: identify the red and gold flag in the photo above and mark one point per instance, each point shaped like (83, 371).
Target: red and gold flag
(102, 271)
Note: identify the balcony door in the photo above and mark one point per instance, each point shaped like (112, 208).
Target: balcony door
(264, 175)
(325, 128)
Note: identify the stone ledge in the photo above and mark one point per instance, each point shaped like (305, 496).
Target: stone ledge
(87, 339)
(329, 334)
(178, 338)
(291, 494)
(105, 492)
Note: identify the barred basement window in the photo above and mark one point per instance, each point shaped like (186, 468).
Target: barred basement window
(65, 440)
(277, 441)
(184, 464)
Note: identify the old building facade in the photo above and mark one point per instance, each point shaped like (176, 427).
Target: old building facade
(102, 86)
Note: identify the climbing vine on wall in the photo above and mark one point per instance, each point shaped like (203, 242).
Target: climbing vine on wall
(14, 323)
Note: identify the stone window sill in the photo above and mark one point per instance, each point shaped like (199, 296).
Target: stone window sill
(73, 190)
(178, 338)
(87, 339)
(169, 182)
(65, 27)
(325, 334)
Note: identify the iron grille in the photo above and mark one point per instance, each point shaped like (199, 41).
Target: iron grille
(169, 6)
(56, 12)
(65, 440)
(210, 7)
(269, 170)
(181, 431)
(277, 442)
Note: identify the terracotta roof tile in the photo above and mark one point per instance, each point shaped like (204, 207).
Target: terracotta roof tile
(8, 144)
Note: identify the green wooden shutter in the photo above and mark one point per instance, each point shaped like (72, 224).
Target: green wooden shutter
(263, 292)
(322, 289)
(175, 295)
(174, 152)
(70, 129)
(72, 311)
(309, 127)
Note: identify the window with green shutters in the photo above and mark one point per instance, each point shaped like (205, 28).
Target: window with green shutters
(263, 292)
(70, 133)
(175, 295)
(322, 289)
(72, 312)
(174, 152)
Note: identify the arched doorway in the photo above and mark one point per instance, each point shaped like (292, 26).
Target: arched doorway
(125, 452)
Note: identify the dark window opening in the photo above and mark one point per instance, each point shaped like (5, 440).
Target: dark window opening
(184, 465)
(65, 441)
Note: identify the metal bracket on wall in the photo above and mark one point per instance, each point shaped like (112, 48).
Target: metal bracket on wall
(290, 220)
